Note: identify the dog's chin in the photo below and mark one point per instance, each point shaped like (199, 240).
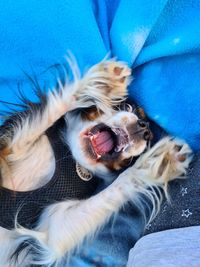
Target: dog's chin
(106, 144)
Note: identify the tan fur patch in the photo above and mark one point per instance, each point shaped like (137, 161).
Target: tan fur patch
(113, 165)
(117, 70)
(91, 114)
(5, 152)
(141, 113)
(125, 120)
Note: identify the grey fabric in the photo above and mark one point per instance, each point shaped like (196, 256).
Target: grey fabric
(184, 207)
(170, 248)
(179, 244)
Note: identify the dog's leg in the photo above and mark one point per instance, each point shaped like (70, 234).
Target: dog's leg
(103, 85)
(64, 225)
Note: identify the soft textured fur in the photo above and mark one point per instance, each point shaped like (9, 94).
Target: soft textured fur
(27, 162)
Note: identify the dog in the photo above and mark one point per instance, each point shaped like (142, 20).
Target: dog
(102, 140)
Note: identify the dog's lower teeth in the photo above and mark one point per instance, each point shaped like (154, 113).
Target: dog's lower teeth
(126, 146)
(98, 156)
(118, 148)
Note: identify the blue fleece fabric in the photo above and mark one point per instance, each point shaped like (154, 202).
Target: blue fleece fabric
(160, 40)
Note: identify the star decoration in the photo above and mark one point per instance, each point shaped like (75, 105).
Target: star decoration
(186, 213)
(183, 191)
(164, 208)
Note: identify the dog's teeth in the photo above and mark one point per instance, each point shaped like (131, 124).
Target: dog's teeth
(126, 146)
(98, 156)
(119, 148)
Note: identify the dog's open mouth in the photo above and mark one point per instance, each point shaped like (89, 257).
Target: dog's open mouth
(107, 142)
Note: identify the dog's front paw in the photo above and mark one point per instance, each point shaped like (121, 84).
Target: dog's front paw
(167, 160)
(104, 85)
(118, 75)
(178, 159)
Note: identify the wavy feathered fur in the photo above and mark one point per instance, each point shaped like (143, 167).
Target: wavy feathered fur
(63, 226)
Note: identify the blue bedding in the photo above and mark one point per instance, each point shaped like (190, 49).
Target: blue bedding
(160, 40)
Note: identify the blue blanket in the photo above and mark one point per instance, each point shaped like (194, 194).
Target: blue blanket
(160, 40)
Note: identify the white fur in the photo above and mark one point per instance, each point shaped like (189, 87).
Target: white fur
(63, 226)
(31, 168)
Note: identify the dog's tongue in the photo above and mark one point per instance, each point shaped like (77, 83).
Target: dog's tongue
(103, 142)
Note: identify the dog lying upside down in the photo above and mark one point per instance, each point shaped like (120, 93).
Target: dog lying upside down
(102, 140)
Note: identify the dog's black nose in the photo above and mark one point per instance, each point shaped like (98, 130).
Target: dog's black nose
(139, 131)
(144, 129)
